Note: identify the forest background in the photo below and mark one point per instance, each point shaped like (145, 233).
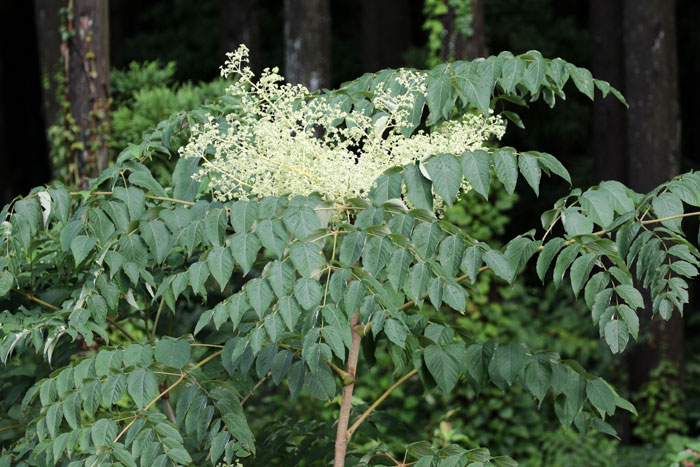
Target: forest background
(159, 57)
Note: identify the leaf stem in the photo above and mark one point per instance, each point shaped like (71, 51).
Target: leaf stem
(379, 400)
(35, 299)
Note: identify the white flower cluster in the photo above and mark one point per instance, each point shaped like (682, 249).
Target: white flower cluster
(286, 142)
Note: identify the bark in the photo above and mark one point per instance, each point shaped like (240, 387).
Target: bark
(47, 21)
(384, 42)
(455, 45)
(609, 139)
(87, 67)
(342, 437)
(239, 24)
(307, 43)
(653, 140)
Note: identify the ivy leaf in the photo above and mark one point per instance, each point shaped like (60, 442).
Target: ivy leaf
(446, 174)
(506, 167)
(476, 167)
(220, 265)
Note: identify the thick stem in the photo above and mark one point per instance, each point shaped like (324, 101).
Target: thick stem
(341, 436)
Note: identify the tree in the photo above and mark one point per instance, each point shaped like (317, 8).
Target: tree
(384, 42)
(87, 84)
(653, 139)
(47, 19)
(307, 43)
(239, 24)
(153, 314)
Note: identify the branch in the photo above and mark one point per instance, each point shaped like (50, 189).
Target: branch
(36, 300)
(342, 435)
(123, 331)
(160, 198)
(376, 403)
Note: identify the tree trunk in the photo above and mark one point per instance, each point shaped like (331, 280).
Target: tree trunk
(238, 21)
(384, 42)
(307, 43)
(88, 84)
(609, 142)
(47, 20)
(653, 144)
(456, 45)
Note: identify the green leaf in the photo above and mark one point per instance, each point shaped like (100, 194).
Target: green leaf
(243, 215)
(442, 365)
(386, 187)
(71, 410)
(580, 271)
(564, 260)
(534, 75)
(538, 378)
(630, 295)
(476, 167)
(103, 432)
(576, 223)
(446, 174)
(215, 226)
(289, 310)
(395, 331)
(351, 248)
(616, 335)
(308, 293)
(142, 386)
(220, 265)
(133, 249)
(471, 262)
(551, 163)
(281, 276)
(477, 88)
(550, 250)
(172, 353)
(113, 389)
(157, 237)
(440, 97)
(426, 237)
(601, 396)
(321, 384)
(498, 263)
(418, 188)
(630, 318)
(301, 221)
(354, 294)
(145, 180)
(506, 167)
(455, 297)
(260, 295)
(54, 417)
(509, 361)
(530, 169)
(273, 235)
(134, 199)
(582, 79)
(397, 268)
(511, 74)
(308, 258)
(450, 254)
(668, 205)
(198, 273)
(599, 206)
(81, 246)
(418, 280)
(184, 186)
(245, 248)
(332, 337)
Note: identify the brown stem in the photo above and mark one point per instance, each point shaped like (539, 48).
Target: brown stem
(376, 403)
(36, 300)
(9, 427)
(123, 331)
(342, 437)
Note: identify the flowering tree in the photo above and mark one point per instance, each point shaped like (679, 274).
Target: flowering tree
(299, 229)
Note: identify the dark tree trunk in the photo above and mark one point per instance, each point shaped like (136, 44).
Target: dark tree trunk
(239, 24)
(609, 141)
(88, 84)
(384, 42)
(653, 144)
(307, 43)
(47, 20)
(455, 45)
